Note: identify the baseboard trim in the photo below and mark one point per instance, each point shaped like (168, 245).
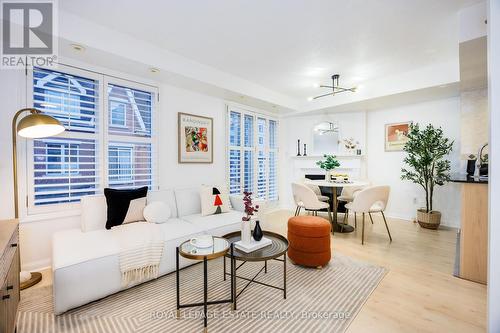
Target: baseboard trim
(36, 266)
(388, 214)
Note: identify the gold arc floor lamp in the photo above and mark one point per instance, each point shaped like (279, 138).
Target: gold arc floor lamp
(35, 125)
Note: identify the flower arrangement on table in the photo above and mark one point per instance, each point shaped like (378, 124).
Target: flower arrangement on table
(250, 209)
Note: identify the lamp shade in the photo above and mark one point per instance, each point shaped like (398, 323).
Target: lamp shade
(37, 125)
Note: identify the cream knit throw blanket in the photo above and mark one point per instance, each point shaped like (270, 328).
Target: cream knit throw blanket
(141, 247)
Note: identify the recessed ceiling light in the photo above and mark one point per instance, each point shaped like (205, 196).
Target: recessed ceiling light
(154, 70)
(316, 85)
(310, 99)
(443, 86)
(78, 47)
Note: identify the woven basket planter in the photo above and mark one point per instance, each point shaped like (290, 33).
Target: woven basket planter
(430, 220)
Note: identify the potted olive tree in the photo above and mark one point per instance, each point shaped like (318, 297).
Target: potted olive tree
(427, 167)
(329, 164)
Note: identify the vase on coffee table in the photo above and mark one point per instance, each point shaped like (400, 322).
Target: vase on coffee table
(257, 232)
(246, 233)
(250, 210)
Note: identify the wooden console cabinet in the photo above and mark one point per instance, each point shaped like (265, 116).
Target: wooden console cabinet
(474, 233)
(9, 275)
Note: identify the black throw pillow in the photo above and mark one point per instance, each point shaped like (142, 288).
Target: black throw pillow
(118, 203)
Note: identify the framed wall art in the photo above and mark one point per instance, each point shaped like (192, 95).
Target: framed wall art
(396, 136)
(195, 138)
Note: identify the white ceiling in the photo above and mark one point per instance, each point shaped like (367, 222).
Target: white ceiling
(288, 46)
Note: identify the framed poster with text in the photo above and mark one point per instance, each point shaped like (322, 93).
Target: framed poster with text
(195, 138)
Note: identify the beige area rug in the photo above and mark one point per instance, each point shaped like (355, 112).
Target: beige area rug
(325, 300)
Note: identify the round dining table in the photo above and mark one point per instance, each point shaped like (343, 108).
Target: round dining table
(339, 227)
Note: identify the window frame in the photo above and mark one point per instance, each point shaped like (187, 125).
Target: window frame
(63, 148)
(256, 114)
(100, 136)
(124, 104)
(118, 139)
(122, 148)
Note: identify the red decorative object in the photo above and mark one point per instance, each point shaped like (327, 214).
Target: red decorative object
(249, 208)
(218, 201)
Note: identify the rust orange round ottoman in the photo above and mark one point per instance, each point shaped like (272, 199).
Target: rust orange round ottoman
(309, 241)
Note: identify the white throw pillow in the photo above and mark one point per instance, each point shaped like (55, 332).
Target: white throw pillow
(135, 210)
(214, 200)
(157, 212)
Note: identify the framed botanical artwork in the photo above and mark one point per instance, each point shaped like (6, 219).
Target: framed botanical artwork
(195, 138)
(396, 136)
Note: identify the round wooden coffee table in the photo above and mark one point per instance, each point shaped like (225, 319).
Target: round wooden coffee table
(278, 248)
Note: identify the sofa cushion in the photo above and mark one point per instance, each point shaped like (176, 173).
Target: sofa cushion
(70, 247)
(177, 228)
(94, 210)
(165, 196)
(214, 200)
(216, 225)
(188, 201)
(156, 212)
(119, 202)
(135, 212)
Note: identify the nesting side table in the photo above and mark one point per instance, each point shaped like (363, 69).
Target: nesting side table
(220, 248)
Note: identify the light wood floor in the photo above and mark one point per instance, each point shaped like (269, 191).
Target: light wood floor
(419, 293)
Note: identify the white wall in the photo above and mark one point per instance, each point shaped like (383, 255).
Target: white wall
(474, 121)
(494, 186)
(12, 96)
(385, 167)
(471, 23)
(173, 174)
(36, 231)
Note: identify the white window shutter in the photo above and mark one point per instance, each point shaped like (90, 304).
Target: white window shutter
(121, 129)
(252, 154)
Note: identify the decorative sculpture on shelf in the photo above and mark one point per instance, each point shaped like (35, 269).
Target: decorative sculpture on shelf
(305, 150)
(298, 147)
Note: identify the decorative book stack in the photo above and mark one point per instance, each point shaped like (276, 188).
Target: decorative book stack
(253, 245)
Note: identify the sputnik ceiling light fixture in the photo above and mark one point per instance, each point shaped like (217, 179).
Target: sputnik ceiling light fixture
(335, 88)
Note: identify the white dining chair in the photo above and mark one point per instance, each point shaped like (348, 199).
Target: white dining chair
(298, 203)
(305, 197)
(317, 191)
(347, 195)
(370, 200)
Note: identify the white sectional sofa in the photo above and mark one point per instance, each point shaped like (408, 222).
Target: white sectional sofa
(85, 261)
